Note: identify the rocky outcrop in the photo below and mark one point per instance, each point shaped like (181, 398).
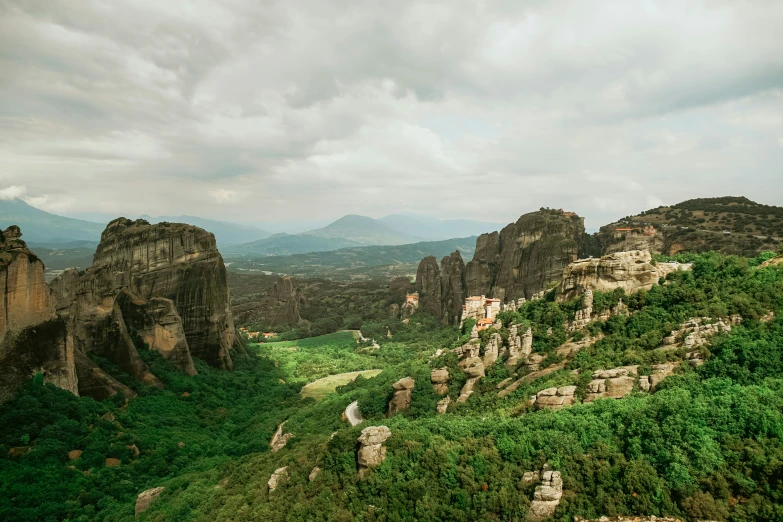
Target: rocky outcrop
(286, 300)
(45, 348)
(96, 383)
(314, 474)
(278, 477)
(554, 398)
(160, 327)
(280, 439)
(527, 255)
(443, 405)
(163, 284)
(547, 496)
(428, 286)
(611, 384)
(518, 263)
(403, 391)
(631, 271)
(371, 452)
(519, 346)
(146, 498)
(31, 339)
(474, 370)
(492, 349)
(440, 380)
(26, 298)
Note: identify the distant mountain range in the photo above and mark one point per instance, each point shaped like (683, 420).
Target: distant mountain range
(225, 233)
(55, 232)
(39, 226)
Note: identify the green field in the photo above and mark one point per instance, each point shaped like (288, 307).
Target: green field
(323, 387)
(314, 358)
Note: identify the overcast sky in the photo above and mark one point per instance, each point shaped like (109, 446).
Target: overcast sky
(262, 111)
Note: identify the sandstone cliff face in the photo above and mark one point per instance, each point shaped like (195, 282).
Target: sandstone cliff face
(285, 300)
(533, 252)
(26, 298)
(519, 262)
(630, 271)
(177, 279)
(31, 339)
(428, 285)
(452, 286)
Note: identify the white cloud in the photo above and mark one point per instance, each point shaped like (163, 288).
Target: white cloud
(13, 192)
(223, 195)
(314, 110)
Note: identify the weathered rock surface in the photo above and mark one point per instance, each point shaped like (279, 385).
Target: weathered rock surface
(280, 439)
(31, 339)
(452, 271)
(613, 384)
(96, 383)
(167, 260)
(286, 300)
(403, 390)
(555, 398)
(277, 478)
(526, 256)
(371, 452)
(519, 346)
(547, 495)
(428, 286)
(630, 271)
(443, 405)
(146, 498)
(314, 474)
(492, 350)
(160, 327)
(440, 380)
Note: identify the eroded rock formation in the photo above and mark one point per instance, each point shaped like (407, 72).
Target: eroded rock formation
(278, 477)
(440, 380)
(403, 391)
(371, 452)
(32, 340)
(285, 299)
(146, 498)
(613, 384)
(547, 495)
(630, 271)
(280, 439)
(519, 262)
(163, 284)
(554, 398)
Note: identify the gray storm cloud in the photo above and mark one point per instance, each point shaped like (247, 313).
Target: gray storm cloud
(251, 111)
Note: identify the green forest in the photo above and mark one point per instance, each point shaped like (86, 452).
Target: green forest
(706, 445)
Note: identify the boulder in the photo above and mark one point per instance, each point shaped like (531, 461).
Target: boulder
(145, 498)
(440, 379)
(314, 474)
(473, 367)
(277, 478)
(555, 398)
(443, 405)
(75, 454)
(615, 383)
(371, 451)
(112, 462)
(279, 439)
(402, 395)
(547, 495)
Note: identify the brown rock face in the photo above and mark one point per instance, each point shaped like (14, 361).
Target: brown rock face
(403, 391)
(286, 300)
(452, 285)
(146, 498)
(31, 339)
(177, 281)
(428, 285)
(371, 451)
(160, 327)
(519, 262)
(630, 271)
(26, 298)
